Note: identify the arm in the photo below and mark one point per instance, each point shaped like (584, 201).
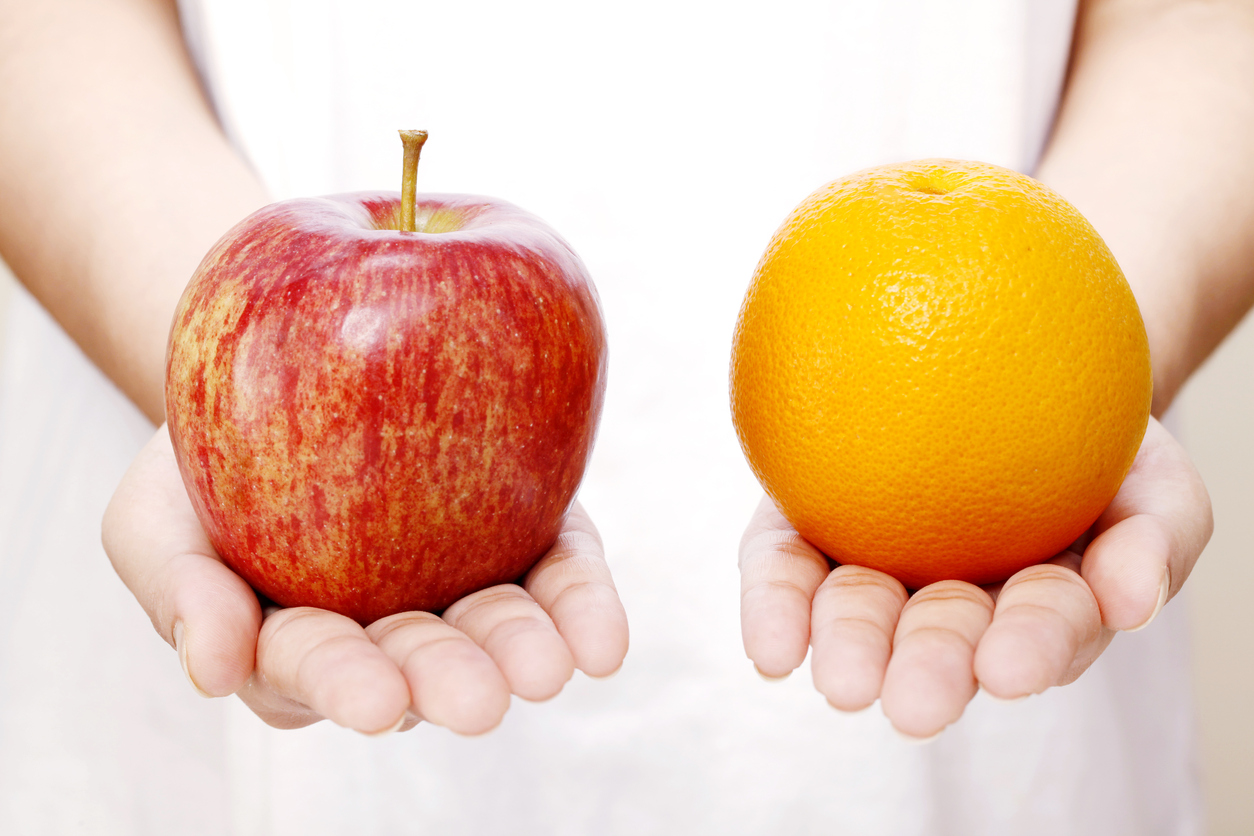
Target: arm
(1152, 145)
(115, 179)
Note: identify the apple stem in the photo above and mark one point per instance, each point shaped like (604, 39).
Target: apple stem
(412, 140)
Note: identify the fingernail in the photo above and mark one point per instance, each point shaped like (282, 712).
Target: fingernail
(767, 677)
(180, 646)
(1004, 700)
(916, 741)
(395, 727)
(1163, 591)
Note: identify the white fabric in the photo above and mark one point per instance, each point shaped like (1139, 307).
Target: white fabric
(665, 141)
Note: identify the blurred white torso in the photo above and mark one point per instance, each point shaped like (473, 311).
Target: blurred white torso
(665, 141)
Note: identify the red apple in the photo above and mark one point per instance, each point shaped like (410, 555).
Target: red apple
(372, 421)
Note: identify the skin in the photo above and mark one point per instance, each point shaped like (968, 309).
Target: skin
(86, 224)
(1152, 146)
(87, 227)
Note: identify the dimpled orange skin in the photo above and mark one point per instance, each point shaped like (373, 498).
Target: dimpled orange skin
(939, 371)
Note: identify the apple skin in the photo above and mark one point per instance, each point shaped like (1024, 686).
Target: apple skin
(372, 421)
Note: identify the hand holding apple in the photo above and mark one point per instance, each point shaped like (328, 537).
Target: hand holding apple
(291, 405)
(381, 403)
(297, 665)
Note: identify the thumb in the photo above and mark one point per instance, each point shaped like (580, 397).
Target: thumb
(158, 548)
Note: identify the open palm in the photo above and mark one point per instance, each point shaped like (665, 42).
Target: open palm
(925, 654)
(296, 666)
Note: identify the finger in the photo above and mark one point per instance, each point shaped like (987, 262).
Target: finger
(1046, 630)
(452, 681)
(325, 662)
(273, 708)
(519, 636)
(1150, 537)
(779, 573)
(572, 583)
(930, 678)
(855, 615)
(198, 605)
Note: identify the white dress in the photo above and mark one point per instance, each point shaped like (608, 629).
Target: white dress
(665, 140)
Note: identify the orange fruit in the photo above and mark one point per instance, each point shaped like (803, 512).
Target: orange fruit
(939, 371)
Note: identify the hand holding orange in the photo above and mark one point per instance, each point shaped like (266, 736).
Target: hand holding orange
(939, 371)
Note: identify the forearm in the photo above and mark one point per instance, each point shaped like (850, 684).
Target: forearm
(115, 178)
(1153, 144)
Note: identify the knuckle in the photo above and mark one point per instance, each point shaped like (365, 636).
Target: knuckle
(946, 593)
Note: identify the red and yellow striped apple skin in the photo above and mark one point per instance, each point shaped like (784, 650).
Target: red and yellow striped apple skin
(371, 421)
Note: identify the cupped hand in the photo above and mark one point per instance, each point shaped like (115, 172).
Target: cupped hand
(296, 666)
(925, 654)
